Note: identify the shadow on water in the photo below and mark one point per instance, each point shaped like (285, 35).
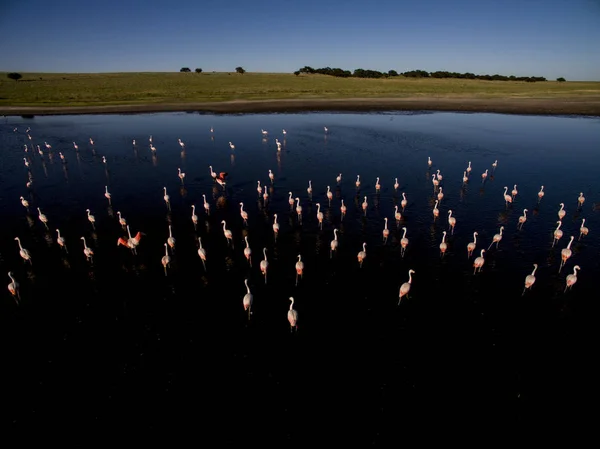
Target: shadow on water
(121, 343)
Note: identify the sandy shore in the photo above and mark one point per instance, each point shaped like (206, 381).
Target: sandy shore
(536, 106)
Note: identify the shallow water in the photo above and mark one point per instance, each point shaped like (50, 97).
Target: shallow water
(121, 344)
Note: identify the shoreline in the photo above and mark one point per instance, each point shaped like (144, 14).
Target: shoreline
(523, 106)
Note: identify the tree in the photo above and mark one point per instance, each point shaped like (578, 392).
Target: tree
(297, 72)
(561, 80)
(240, 70)
(185, 69)
(198, 70)
(392, 73)
(15, 76)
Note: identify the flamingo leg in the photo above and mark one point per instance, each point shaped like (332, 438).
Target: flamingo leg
(204, 264)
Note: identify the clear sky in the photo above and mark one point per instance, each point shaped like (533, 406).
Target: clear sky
(548, 38)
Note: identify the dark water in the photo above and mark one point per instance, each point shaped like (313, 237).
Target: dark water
(116, 344)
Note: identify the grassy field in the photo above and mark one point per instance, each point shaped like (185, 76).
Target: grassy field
(99, 89)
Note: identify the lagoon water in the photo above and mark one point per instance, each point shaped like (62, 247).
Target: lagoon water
(115, 343)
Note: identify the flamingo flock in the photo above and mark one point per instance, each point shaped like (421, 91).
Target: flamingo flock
(323, 214)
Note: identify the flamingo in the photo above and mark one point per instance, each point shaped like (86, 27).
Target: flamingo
(26, 162)
(181, 144)
(194, 216)
(232, 146)
(443, 245)
(334, 243)
(271, 176)
(434, 181)
(583, 230)
(386, 231)
(572, 278)
(77, 147)
(440, 194)
(403, 242)
(451, 221)
(62, 156)
(404, 201)
(298, 209)
(362, 255)
(264, 133)
(397, 215)
(122, 221)
(343, 209)
(581, 199)
(227, 233)
(484, 175)
(405, 288)
(25, 254)
(319, 215)
(206, 205)
(212, 173)
(566, 253)
(541, 194)
(429, 161)
(357, 181)
(329, 195)
(530, 279)
(339, 178)
(377, 185)
(202, 253)
(91, 218)
(248, 299)
(61, 241)
(104, 158)
(495, 164)
(43, 218)
(292, 316)
(264, 265)
(290, 200)
(439, 177)
(166, 260)
(436, 211)
(167, 198)
(180, 174)
(472, 245)
(259, 188)
(299, 268)
(87, 251)
(468, 170)
(13, 287)
(48, 145)
(275, 226)
(284, 132)
(365, 205)
(478, 263)
(309, 188)
(171, 239)
(514, 191)
(243, 213)
(465, 178)
(561, 211)
(497, 238)
(523, 218)
(248, 251)
(24, 202)
(325, 129)
(396, 184)
(107, 194)
(507, 198)
(557, 233)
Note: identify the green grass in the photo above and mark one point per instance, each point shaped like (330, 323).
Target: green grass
(52, 89)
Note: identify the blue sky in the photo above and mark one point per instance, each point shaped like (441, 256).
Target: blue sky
(548, 38)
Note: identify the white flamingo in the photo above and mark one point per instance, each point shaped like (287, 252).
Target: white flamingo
(443, 245)
(194, 216)
(202, 253)
(404, 201)
(386, 231)
(167, 198)
(468, 170)
(299, 268)
(557, 233)
(581, 199)
(343, 209)
(377, 185)
(403, 242)
(166, 260)
(180, 174)
(243, 213)
(122, 221)
(275, 226)
(440, 194)
(451, 221)
(572, 278)
(561, 211)
(507, 198)
(227, 233)
(206, 205)
(13, 287)
(292, 316)
(541, 194)
(530, 279)
(397, 214)
(171, 239)
(24, 202)
(248, 299)
(87, 251)
(357, 181)
(396, 184)
(248, 251)
(339, 178)
(478, 263)
(291, 200)
(472, 245)
(362, 255)
(24, 253)
(91, 218)
(405, 288)
(298, 209)
(329, 195)
(309, 188)
(334, 243)
(107, 194)
(271, 176)
(61, 241)
(264, 264)
(436, 211)
(514, 191)
(365, 205)
(43, 218)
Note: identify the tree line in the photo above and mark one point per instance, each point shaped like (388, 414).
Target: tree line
(198, 70)
(362, 73)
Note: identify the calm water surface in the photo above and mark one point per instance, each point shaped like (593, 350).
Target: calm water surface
(118, 344)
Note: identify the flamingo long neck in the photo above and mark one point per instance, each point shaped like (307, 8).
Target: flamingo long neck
(533, 272)
(525, 213)
(435, 206)
(275, 218)
(265, 253)
(386, 222)
(335, 234)
(292, 304)
(58, 232)
(290, 197)
(170, 232)
(247, 288)
(474, 238)
(365, 247)
(559, 225)
(570, 241)
(449, 214)
(224, 229)
(501, 231)
(299, 258)
(247, 244)
(318, 208)
(84, 244)
(404, 235)
(444, 237)
(582, 222)
(482, 251)
(505, 189)
(409, 277)
(166, 250)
